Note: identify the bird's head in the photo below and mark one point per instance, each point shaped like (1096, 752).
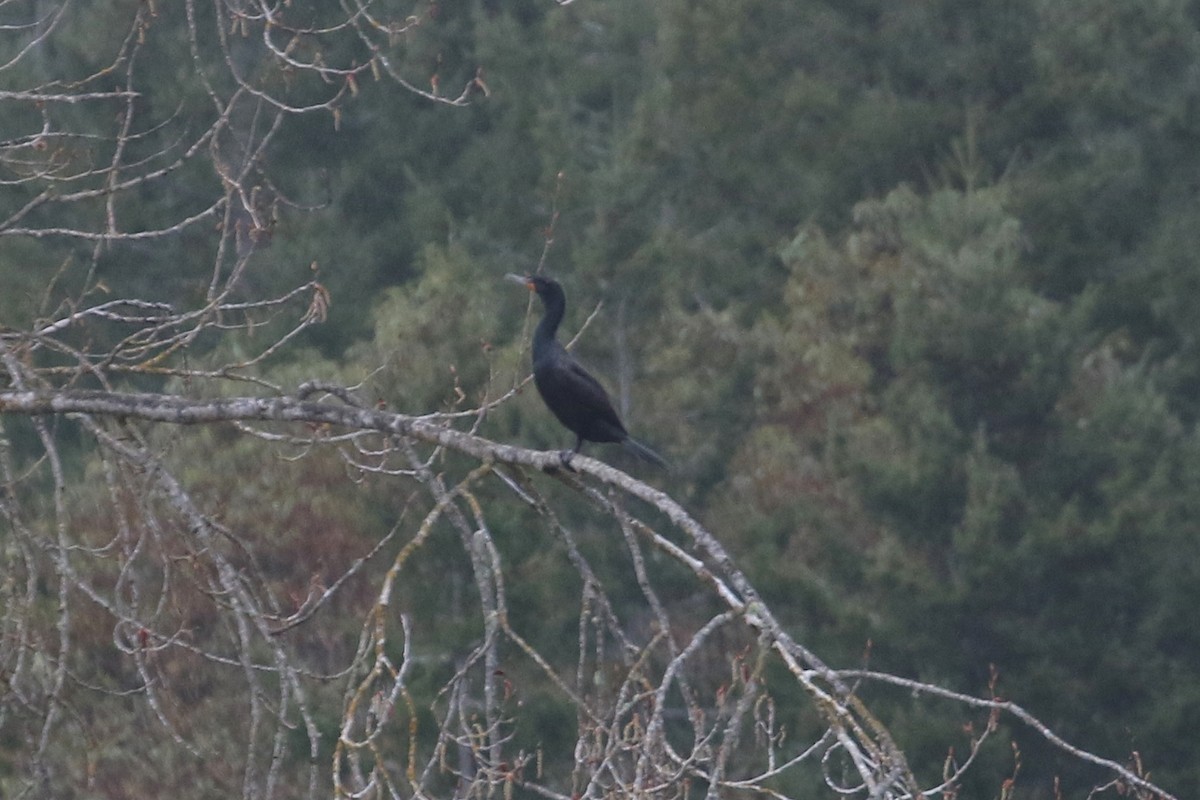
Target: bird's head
(535, 283)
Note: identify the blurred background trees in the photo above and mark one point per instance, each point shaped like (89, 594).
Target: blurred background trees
(903, 290)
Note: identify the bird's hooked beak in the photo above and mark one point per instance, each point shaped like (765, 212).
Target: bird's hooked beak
(524, 280)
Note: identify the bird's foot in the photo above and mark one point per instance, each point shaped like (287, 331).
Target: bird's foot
(565, 457)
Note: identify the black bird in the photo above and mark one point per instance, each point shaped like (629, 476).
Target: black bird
(569, 391)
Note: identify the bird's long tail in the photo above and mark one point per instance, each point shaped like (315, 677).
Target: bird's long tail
(645, 453)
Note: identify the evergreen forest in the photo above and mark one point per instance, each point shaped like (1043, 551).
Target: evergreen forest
(899, 289)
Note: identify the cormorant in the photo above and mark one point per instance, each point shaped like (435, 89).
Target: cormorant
(569, 391)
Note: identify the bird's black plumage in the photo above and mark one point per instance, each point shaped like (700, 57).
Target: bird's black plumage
(569, 391)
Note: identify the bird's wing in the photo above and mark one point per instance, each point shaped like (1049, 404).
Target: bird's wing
(590, 390)
(575, 396)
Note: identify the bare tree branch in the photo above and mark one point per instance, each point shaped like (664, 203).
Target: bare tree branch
(609, 757)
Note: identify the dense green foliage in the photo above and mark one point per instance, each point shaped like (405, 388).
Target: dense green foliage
(905, 291)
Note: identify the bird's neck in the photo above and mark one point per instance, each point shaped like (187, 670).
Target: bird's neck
(543, 335)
